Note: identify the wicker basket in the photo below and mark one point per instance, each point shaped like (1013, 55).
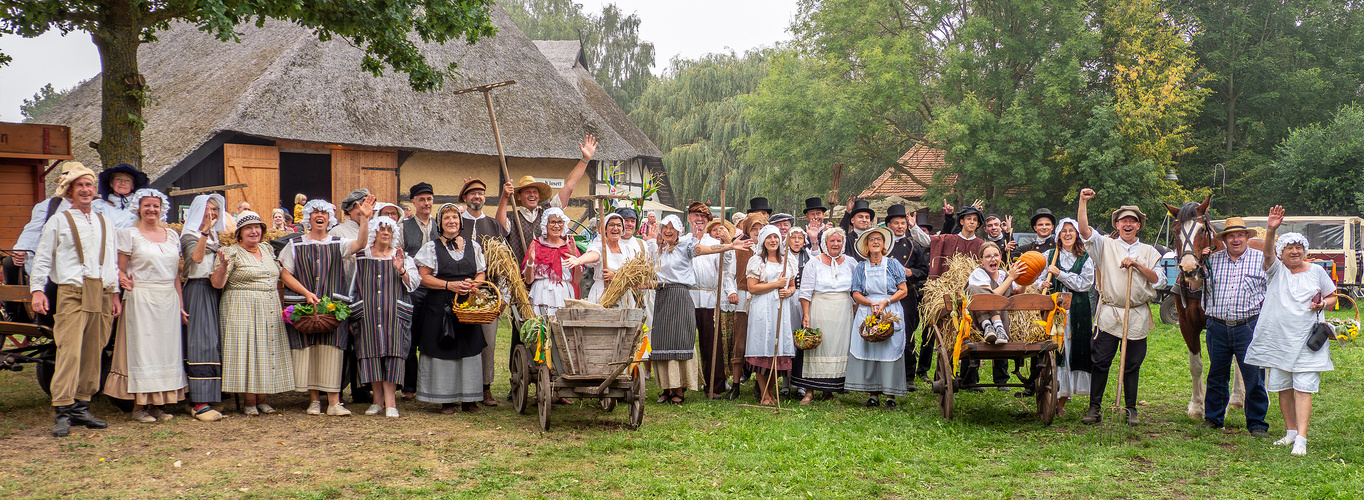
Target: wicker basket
(810, 340)
(317, 323)
(873, 334)
(482, 315)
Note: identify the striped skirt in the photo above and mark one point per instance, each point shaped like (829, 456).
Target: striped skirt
(673, 335)
(382, 369)
(203, 342)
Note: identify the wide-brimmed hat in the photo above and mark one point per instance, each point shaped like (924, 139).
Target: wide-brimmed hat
(759, 204)
(862, 206)
(1128, 210)
(71, 171)
(971, 210)
(106, 177)
(1234, 224)
(472, 184)
(1039, 214)
(750, 220)
(418, 189)
(715, 222)
(528, 181)
(700, 208)
(815, 204)
(896, 210)
(886, 236)
(247, 218)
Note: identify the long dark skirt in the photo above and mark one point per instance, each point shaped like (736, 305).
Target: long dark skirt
(674, 332)
(203, 342)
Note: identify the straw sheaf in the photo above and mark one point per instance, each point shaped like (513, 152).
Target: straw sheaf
(638, 272)
(504, 270)
(280, 82)
(938, 294)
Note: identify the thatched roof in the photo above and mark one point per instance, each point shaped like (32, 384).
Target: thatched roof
(567, 58)
(282, 83)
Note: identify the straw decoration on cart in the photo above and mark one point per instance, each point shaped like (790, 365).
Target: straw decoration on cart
(638, 272)
(503, 268)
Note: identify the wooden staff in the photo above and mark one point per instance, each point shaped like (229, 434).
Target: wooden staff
(501, 157)
(719, 282)
(837, 179)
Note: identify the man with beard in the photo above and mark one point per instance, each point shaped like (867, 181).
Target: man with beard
(478, 226)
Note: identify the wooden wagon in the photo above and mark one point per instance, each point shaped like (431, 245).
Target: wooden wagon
(593, 357)
(947, 380)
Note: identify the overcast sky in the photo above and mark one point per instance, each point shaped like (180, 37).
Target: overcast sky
(686, 28)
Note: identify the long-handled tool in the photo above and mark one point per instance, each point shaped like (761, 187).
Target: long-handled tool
(501, 157)
(1118, 409)
(717, 333)
(776, 340)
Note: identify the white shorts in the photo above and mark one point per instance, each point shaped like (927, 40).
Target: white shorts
(1280, 380)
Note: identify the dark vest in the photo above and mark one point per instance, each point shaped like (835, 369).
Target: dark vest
(442, 335)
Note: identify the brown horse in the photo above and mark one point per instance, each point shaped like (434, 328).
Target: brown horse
(1193, 237)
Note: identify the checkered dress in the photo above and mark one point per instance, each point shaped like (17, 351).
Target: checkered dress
(256, 355)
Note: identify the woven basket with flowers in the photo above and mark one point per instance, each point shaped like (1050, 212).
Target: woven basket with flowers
(322, 317)
(481, 306)
(878, 327)
(808, 338)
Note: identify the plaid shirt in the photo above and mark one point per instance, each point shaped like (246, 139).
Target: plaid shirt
(1238, 287)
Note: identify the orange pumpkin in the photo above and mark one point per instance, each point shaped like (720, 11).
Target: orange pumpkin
(1035, 263)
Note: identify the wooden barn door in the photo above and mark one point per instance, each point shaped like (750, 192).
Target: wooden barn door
(258, 167)
(375, 170)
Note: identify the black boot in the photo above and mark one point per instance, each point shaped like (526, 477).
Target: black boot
(1093, 416)
(80, 415)
(62, 425)
(733, 393)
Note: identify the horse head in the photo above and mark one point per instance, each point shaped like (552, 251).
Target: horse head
(1192, 234)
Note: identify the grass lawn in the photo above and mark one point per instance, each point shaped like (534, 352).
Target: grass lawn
(995, 448)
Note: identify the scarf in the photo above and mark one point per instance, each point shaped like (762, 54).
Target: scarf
(549, 260)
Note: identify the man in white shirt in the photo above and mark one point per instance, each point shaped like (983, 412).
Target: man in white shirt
(1125, 279)
(77, 251)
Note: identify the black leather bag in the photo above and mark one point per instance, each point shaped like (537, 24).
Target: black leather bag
(1321, 332)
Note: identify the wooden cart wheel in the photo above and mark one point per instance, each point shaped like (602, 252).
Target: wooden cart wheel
(608, 404)
(943, 378)
(520, 377)
(637, 402)
(544, 396)
(1046, 388)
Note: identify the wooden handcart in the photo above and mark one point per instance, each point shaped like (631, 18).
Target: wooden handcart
(946, 380)
(593, 357)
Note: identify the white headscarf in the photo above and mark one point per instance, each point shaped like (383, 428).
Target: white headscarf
(553, 212)
(380, 206)
(1290, 239)
(673, 221)
(768, 230)
(199, 208)
(384, 221)
(318, 206)
(1057, 233)
(135, 200)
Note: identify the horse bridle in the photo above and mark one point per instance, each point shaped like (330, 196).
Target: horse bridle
(1190, 236)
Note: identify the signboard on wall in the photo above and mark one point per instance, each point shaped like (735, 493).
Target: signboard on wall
(553, 183)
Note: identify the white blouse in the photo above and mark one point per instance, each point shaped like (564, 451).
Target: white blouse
(149, 261)
(1080, 282)
(767, 272)
(981, 277)
(426, 257)
(821, 278)
(675, 265)
(706, 268)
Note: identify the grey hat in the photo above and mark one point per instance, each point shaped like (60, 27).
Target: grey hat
(353, 198)
(781, 218)
(627, 213)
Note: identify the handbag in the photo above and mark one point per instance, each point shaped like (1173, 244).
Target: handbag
(1321, 332)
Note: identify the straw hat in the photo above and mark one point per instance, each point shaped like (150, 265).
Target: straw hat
(886, 239)
(248, 218)
(715, 222)
(529, 181)
(73, 170)
(1235, 224)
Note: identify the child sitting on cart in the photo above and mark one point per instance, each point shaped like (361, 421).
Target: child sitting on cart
(989, 278)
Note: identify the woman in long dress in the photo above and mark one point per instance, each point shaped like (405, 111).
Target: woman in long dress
(550, 264)
(148, 363)
(1073, 272)
(606, 261)
(202, 337)
(878, 285)
(256, 358)
(383, 279)
(826, 303)
(1298, 293)
(314, 267)
(771, 275)
(673, 337)
(450, 367)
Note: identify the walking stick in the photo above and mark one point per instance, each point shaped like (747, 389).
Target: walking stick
(716, 331)
(776, 341)
(1122, 350)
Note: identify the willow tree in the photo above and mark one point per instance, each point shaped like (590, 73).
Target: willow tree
(695, 114)
(388, 32)
(615, 55)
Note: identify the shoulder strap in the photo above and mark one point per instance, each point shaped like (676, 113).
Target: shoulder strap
(104, 237)
(76, 237)
(52, 206)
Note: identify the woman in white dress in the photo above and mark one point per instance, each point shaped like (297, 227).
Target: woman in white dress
(878, 285)
(550, 264)
(771, 275)
(1072, 272)
(826, 303)
(1298, 292)
(616, 252)
(148, 365)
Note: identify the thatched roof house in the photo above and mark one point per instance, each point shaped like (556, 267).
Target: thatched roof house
(921, 162)
(287, 113)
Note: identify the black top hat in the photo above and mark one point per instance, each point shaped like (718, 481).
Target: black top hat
(815, 204)
(759, 204)
(419, 188)
(921, 220)
(106, 177)
(1040, 213)
(970, 210)
(896, 210)
(862, 206)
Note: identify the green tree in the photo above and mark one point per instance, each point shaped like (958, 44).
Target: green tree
(615, 55)
(695, 114)
(1317, 169)
(45, 98)
(388, 32)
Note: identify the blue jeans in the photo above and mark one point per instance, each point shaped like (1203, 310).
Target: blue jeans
(1223, 344)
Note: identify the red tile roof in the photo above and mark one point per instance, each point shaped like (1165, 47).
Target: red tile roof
(921, 161)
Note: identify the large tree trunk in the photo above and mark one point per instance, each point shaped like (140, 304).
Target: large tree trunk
(124, 89)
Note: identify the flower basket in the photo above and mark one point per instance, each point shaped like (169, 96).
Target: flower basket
(1346, 330)
(878, 327)
(323, 317)
(481, 306)
(808, 338)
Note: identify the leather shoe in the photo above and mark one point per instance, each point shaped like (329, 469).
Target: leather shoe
(1132, 416)
(1209, 425)
(80, 415)
(488, 399)
(1093, 416)
(733, 393)
(872, 403)
(61, 426)
(1259, 433)
(890, 405)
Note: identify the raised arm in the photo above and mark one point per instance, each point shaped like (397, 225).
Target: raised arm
(1082, 213)
(1271, 227)
(588, 148)
(361, 216)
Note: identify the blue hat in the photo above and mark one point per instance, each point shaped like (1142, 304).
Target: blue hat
(106, 177)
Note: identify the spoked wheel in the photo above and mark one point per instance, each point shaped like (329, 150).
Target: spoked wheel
(1046, 389)
(608, 404)
(544, 396)
(942, 383)
(520, 377)
(637, 402)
